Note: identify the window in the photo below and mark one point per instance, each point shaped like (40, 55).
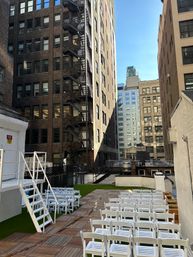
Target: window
(28, 67)
(44, 111)
(97, 67)
(104, 100)
(46, 3)
(27, 112)
(28, 90)
(57, 17)
(96, 25)
(149, 139)
(19, 69)
(158, 129)
(103, 80)
(20, 47)
(37, 44)
(37, 66)
(160, 149)
(36, 89)
(28, 46)
(97, 112)
(159, 139)
(36, 112)
(35, 136)
(2, 73)
(56, 88)
(98, 135)
(186, 29)
(148, 129)
(22, 7)
(188, 78)
(56, 135)
(29, 24)
(45, 65)
(21, 25)
(45, 44)
(30, 5)
(12, 10)
(56, 63)
(46, 20)
(44, 136)
(38, 4)
(37, 22)
(19, 91)
(56, 111)
(104, 118)
(157, 118)
(97, 89)
(185, 5)
(96, 45)
(56, 2)
(57, 41)
(149, 149)
(45, 88)
(187, 54)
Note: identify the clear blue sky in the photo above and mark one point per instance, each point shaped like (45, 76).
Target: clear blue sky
(137, 23)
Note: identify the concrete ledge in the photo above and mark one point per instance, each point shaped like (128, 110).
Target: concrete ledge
(129, 181)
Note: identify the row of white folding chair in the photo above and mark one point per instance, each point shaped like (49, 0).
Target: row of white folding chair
(136, 216)
(136, 207)
(113, 245)
(138, 201)
(169, 230)
(72, 196)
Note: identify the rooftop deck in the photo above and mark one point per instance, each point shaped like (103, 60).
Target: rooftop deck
(63, 238)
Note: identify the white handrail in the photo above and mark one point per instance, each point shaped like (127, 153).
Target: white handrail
(45, 178)
(1, 167)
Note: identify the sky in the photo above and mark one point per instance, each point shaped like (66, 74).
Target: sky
(137, 23)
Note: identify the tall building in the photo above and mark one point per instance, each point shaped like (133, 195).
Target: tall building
(65, 77)
(151, 118)
(6, 63)
(175, 58)
(128, 115)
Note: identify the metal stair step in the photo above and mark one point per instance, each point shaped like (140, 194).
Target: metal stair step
(29, 189)
(38, 210)
(42, 216)
(31, 196)
(36, 202)
(46, 223)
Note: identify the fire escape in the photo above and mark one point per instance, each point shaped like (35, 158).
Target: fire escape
(77, 75)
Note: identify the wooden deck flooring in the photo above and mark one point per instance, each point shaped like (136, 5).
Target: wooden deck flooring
(61, 239)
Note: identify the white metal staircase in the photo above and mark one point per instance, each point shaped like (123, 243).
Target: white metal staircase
(33, 166)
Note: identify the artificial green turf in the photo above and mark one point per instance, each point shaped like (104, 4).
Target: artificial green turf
(20, 223)
(88, 188)
(23, 223)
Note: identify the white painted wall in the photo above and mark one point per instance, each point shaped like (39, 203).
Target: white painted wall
(10, 200)
(135, 181)
(182, 122)
(10, 204)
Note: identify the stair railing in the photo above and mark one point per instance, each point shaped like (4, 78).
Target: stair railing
(39, 170)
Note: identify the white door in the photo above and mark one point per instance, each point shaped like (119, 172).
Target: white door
(9, 143)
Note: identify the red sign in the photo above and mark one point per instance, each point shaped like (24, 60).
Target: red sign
(9, 139)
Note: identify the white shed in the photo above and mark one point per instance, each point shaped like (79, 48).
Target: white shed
(12, 141)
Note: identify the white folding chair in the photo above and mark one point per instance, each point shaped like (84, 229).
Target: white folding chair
(160, 208)
(118, 246)
(174, 247)
(167, 231)
(145, 247)
(121, 228)
(112, 206)
(102, 227)
(144, 216)
(108, 215)
(164, 217)
(90, 246)
(126, 215)
(144, 229)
